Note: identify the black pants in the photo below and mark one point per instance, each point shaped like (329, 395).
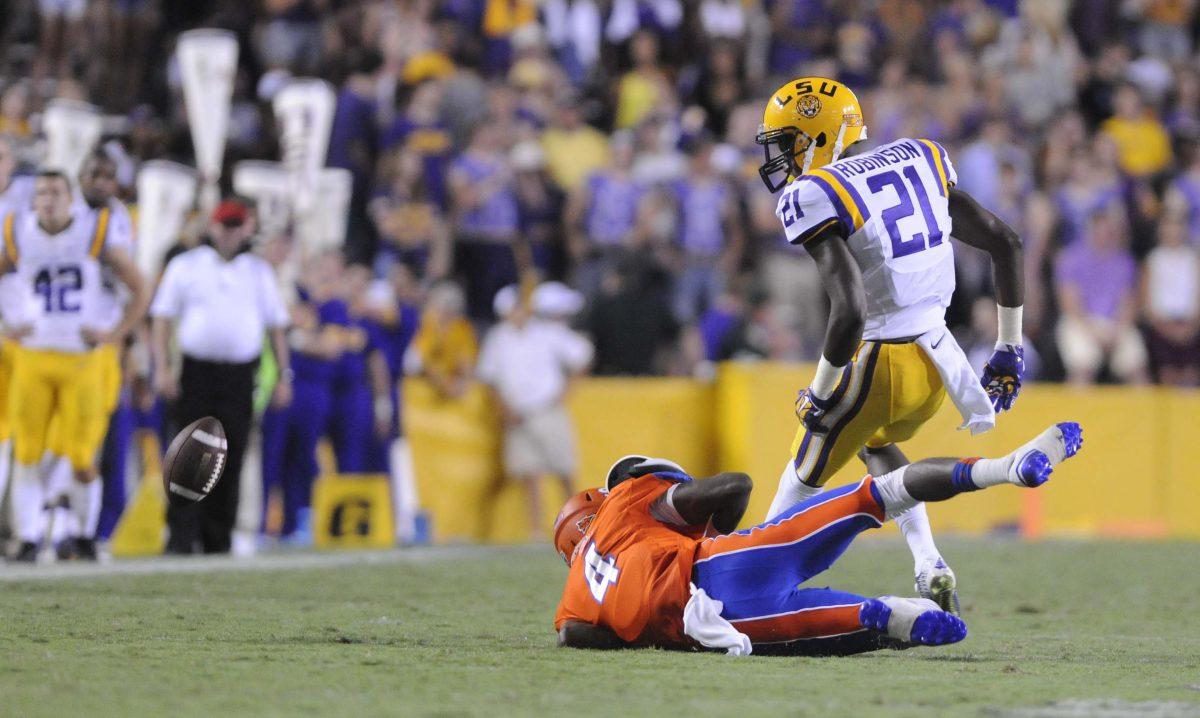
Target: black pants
(225, 391)
(485, 268)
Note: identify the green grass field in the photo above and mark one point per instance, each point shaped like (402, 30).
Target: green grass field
(467, 632)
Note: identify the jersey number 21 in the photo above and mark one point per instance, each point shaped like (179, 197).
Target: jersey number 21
(891, 216)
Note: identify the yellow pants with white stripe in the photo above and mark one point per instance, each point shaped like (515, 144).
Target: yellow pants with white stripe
(884, 396)
(62, 387)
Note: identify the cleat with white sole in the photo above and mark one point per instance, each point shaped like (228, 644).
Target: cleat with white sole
(936, 582)
(1034, 463)
(912, 620)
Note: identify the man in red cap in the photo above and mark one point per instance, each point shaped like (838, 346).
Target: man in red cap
(219, 300)
(232, 214)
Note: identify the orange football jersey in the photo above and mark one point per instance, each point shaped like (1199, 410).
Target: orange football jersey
(631, 571)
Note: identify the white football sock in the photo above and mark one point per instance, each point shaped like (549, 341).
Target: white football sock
(5, 465)
(59, 478)
(404, 490)
(85, 508)
(28, 502)
(791, 491)
(992, 472)
(914, 524)
(895, 497)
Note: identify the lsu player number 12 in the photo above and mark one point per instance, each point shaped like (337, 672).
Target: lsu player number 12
(58, 255)
(878, 225)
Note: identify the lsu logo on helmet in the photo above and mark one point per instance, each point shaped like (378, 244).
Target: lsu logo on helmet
(809, 106)
(808, 122)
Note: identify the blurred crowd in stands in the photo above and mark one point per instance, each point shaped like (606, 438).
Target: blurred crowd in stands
(608, 144)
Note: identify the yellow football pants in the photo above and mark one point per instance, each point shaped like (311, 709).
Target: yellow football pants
(61, 386)
(57, 440)
(7, 348)
(886, 393)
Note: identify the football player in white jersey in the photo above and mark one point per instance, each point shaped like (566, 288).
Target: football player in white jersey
(878, 226)
(97, 194)
(16, 195)
(58, 255)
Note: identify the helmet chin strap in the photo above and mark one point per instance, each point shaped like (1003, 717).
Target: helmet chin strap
(837, 145)
(808, 157)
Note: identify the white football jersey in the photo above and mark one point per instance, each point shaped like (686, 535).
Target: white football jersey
(61, 276)
(893, 207)
(17, 197)
(120, 236)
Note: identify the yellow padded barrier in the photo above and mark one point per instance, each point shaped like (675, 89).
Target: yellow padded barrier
(1137, 477)
(352, 511)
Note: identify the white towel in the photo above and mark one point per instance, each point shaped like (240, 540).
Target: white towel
(960, 379)
(702, 621)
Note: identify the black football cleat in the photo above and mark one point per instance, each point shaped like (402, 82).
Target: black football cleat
(27, 553)
(85, 550)
(65, 550)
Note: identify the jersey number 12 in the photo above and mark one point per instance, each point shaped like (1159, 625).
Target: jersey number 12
(892, 215)
(58, 288)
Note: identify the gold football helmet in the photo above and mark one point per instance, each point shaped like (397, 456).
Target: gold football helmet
(810, 121)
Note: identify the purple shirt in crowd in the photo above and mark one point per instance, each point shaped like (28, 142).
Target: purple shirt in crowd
(1189, 187)
(496, 217)
(613, 211)
(1076, 209)
(353, 124)
(701, 215)
(1103, 280)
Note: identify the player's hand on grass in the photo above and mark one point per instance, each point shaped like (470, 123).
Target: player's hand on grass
(1002, 375)
(812, 409)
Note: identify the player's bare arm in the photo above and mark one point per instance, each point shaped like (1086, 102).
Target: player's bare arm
(978, 227)
(139, 296)
(165, 383)
(843, 283)
(721, 499)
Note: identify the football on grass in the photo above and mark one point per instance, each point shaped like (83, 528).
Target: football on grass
(195, 460)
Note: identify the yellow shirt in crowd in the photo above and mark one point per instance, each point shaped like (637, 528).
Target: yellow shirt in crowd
(572, 155)
(637, 95)
(447, 349)
(1143, 146)
(501, 17)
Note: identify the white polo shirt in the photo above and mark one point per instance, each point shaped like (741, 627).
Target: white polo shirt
(222, 308)
(529, 365)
